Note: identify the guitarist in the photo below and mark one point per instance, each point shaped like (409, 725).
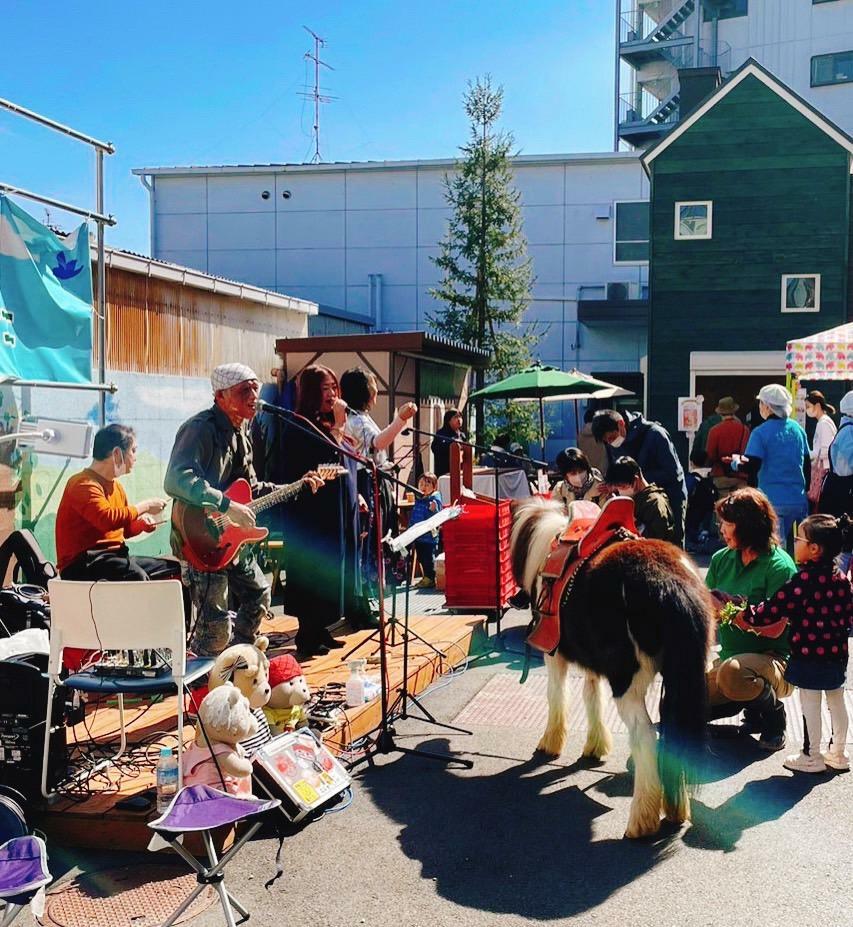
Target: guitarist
(212, 450)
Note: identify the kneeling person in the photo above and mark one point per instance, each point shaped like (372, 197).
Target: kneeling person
(95, 519)
(652, 509)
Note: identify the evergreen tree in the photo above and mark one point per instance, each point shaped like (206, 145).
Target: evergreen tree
(487, 275)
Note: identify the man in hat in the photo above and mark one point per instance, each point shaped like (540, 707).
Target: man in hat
(725, 440)
(212, 450)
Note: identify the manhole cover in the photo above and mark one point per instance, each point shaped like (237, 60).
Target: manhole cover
(133, 896)
(502, 702)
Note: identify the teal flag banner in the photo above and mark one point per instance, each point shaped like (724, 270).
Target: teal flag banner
(45, 300)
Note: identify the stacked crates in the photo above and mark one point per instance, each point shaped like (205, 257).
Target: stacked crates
(476, 549)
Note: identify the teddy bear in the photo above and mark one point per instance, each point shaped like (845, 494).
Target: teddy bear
(225, 720)
(285, 710)
(247, 667)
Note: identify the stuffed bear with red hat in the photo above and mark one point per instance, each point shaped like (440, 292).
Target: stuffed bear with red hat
(289, 692)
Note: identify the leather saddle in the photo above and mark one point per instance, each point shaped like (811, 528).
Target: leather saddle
(589, 530)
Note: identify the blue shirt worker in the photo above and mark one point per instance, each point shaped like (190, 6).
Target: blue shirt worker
(426, 506)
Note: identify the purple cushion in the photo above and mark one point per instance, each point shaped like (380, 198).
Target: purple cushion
(23, 867)
(200, 807)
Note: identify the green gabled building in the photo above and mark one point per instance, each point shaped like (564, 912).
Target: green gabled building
(750, 241)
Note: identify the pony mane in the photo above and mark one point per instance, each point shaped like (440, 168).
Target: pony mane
(536, 523)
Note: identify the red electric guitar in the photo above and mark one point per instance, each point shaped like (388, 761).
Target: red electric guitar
(210, 540)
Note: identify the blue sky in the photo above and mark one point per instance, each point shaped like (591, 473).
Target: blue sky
(184, 83)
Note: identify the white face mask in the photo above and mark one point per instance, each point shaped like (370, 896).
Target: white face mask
(576, 479)
(618, 441)
(120, 468)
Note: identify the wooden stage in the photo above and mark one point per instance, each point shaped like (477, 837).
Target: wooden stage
(99, 821)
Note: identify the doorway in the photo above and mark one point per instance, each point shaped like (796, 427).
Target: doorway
(742, 387)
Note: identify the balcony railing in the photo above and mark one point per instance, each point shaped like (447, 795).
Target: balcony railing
(642, 105)
(721, 59)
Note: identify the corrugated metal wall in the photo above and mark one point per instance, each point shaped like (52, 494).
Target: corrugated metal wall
(161, 327)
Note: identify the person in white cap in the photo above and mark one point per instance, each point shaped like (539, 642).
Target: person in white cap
(212, 450)
(778, 452)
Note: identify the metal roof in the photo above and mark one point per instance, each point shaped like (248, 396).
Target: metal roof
(188, 276)
(409, 342)
(604, 157)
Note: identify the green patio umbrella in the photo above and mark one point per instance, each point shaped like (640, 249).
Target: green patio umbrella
(540, 383)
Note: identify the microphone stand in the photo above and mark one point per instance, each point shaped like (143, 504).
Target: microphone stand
(385, 742)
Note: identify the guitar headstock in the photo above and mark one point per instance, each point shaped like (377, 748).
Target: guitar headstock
(330, 472)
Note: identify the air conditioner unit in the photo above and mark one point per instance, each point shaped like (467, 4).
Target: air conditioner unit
(617, 292)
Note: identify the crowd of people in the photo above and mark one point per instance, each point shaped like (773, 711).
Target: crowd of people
(783, 621)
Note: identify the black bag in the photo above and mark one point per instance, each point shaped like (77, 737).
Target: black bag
(31, 565)
(836, 494)
(23, 607)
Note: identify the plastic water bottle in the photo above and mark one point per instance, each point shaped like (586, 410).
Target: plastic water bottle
(167, 779)
(355, 684)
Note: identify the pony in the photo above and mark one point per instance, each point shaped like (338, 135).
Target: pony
(637, 607)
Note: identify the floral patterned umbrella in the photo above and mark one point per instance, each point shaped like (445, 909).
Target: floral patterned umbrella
(824, 356)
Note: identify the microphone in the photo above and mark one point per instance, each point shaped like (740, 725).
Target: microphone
(265, 406)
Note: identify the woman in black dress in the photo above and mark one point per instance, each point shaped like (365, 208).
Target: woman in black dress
(320, 531)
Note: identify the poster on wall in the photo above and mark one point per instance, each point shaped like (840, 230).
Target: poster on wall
(689, 413)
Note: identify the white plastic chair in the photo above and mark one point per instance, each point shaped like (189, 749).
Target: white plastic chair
(110, 615)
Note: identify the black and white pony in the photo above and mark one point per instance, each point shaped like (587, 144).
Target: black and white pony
(637, 608)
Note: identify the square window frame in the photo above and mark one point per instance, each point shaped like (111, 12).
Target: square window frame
(677, 225)
(784, 287)
(827, 83)
(643, 263)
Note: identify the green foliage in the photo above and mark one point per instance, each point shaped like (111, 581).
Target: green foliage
(486, 273)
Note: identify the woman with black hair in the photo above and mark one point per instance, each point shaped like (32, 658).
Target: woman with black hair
(821, 411)
(449, 432)
(580, 479)
(320, 532)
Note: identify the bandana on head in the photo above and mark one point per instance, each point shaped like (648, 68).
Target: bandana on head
(227, 375)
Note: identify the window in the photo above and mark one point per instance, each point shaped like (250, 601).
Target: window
(725, 9)
(631, 232)
(800, 292)
(836, 68)
(693, 219)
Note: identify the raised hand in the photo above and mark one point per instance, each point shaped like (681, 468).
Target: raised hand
(151, 506)
(407, 411)
(339, 410)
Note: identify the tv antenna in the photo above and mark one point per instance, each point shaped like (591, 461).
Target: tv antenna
(316, 95)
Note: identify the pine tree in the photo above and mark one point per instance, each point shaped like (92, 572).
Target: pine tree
(487, 274)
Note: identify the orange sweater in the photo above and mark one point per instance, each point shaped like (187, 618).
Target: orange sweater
(93, 513)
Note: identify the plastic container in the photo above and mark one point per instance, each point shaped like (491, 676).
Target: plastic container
(355, 684)
(167, 779)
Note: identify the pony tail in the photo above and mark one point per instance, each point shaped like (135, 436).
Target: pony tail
(845, 527)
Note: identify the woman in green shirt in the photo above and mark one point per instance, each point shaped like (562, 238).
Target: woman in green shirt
(750, 670)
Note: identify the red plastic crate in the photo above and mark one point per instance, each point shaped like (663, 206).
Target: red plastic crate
(473, 551)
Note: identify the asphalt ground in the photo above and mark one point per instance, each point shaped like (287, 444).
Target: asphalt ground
(519, 839)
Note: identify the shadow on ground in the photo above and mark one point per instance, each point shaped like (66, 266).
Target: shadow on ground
(516, 842)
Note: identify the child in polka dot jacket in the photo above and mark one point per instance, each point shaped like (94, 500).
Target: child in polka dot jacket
(816, 607)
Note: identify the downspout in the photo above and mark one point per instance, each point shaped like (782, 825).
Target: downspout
(151, 235)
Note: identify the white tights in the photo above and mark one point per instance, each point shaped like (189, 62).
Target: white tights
(810, 700)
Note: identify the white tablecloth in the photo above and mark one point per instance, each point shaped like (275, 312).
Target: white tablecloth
(513, 485)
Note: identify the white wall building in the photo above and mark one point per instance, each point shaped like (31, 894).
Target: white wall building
(807, 44)
(358, 239)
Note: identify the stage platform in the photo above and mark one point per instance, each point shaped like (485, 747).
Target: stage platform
(101, 819)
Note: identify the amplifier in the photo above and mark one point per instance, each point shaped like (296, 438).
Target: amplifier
(23, 706)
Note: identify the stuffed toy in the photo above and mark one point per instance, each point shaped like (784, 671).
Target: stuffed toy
(225, 719)
(285, 709)
(247, 667)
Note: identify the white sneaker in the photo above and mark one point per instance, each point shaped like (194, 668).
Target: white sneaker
(803, 762)
(838, 761)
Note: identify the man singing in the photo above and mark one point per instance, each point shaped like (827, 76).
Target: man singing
(212, 450)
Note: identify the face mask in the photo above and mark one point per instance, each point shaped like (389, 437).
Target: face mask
(121, 468)
(576, 479)
(618, 441)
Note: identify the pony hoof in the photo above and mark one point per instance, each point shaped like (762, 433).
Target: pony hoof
(549, 746)
(641, 830)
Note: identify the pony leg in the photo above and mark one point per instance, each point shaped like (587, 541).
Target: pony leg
(644, 818)
(598, 740)
(554, 738)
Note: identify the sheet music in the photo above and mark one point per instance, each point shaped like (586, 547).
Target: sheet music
(422, 527)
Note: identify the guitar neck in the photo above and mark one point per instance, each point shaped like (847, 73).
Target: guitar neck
(282, 494)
